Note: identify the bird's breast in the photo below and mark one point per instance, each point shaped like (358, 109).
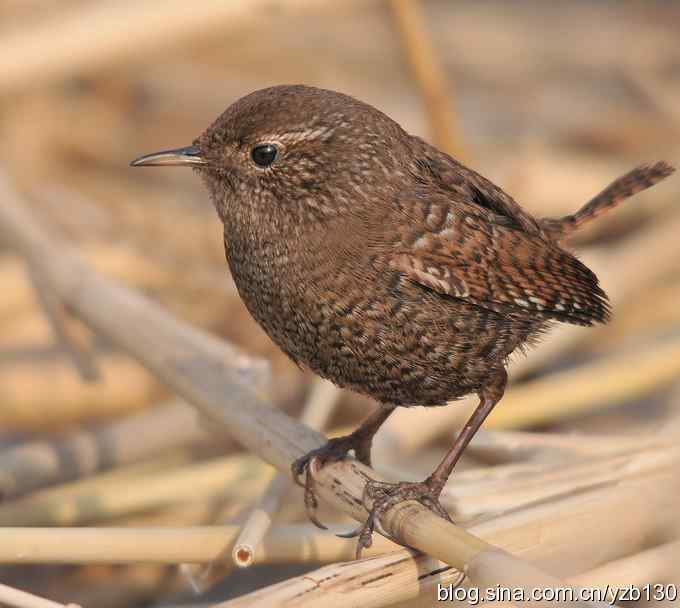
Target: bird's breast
(278, 285)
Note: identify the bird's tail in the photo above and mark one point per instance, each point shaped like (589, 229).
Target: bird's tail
(634, 181)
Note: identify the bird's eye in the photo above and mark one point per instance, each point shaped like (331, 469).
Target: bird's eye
(263, 155)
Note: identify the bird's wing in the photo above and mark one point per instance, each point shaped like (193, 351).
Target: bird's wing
(469, 187)
(463, 255)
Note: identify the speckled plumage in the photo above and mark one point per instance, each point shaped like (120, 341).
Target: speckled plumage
(383, 264)
(376, 260)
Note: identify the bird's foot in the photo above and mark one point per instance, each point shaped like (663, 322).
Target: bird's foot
(336, 449)
(383, 496)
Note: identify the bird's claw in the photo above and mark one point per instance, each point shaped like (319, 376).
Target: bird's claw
(383, 496)
(334, 450)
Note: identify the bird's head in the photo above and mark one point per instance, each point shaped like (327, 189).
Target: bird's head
(294, 155)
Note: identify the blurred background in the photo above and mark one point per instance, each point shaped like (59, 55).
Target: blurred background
(551, 101)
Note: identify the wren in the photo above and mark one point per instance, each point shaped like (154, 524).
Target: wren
(384, 265)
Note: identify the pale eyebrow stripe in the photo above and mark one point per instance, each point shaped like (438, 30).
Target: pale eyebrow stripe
(321, 133)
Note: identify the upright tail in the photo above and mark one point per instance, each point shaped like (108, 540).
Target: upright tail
(634, 181)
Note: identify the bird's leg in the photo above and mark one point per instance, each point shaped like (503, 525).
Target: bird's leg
(383, 496)
(336, 449)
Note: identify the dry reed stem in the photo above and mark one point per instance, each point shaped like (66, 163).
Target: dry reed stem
(47, 394)
(9, 596)
(601, 384)
(429, 75)
(316, 413)
(657, 564)
(169, 545)
(473, 495)
(647, 567)
(81, 354)
(218, 380)
(259, 521)
(91, 37)
(525, 577)
(202, 512)
(573, 532)
(119, 262)
(493, 446)
(320, 404)
(29, 466)
(135, 489)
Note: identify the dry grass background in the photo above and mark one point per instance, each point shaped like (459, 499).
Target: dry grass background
(115, 493)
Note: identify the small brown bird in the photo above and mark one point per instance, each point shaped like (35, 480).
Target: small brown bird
(383, 264)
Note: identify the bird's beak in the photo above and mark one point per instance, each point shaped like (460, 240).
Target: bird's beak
(191, 155)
